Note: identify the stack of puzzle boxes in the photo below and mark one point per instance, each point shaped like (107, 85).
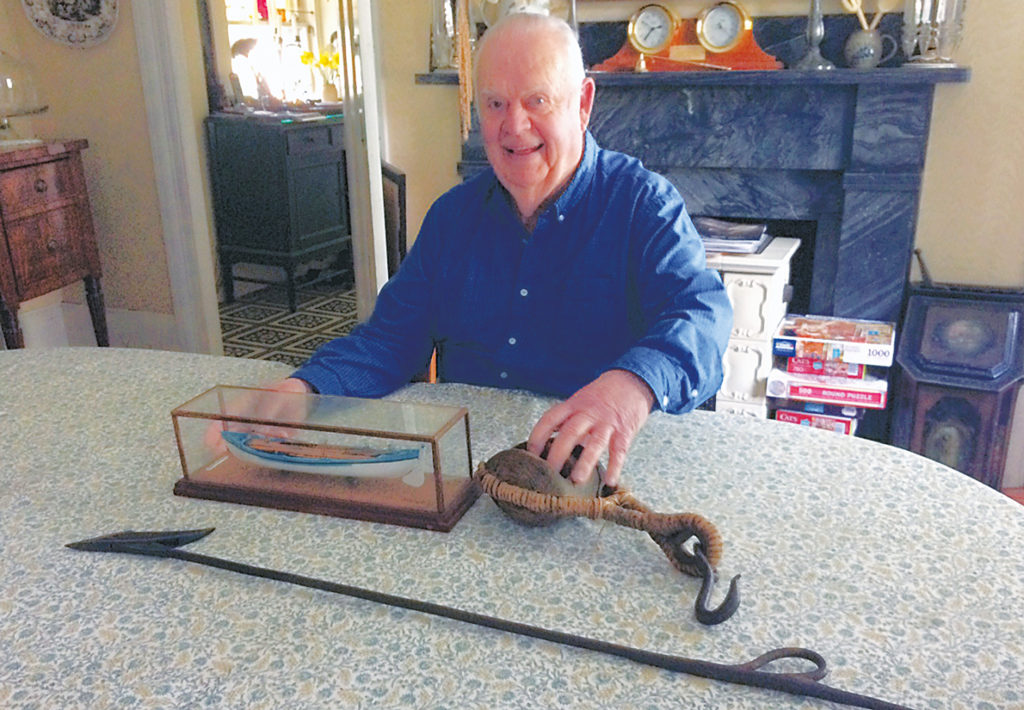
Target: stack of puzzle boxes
(828, 370)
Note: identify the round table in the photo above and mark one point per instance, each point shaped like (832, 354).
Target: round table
(906, 575)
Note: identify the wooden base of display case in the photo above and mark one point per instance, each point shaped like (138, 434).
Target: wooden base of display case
(359, 498)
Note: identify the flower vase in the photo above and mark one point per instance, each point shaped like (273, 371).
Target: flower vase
(330, 94)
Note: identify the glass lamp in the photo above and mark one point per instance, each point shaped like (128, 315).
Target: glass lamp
(18, 97)
(934, 28)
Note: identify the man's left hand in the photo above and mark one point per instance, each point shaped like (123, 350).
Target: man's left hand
(604, 415)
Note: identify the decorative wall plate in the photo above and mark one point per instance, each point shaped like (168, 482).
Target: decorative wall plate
(76, 23)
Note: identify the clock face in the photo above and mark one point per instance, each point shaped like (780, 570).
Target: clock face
(651, 29)
(720, 27)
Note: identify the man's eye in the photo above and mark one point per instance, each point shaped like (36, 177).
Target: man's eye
(538, 101)
(495, 105)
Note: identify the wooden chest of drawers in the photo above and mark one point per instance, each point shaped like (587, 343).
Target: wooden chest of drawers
(48, 240)
(280, 194)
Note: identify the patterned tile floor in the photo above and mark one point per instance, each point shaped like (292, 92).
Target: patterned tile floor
(259, 326)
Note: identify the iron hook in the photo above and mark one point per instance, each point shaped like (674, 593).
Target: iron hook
(728, 606)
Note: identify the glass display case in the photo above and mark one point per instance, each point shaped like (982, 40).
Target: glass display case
(383, 461)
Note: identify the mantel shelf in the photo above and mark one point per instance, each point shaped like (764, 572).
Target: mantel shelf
(905, 75)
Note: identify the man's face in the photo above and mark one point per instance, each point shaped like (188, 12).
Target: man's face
(532, 116)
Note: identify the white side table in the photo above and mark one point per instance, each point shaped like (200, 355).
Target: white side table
(756, 284)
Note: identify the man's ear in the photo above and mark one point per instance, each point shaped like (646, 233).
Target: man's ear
(587, 92)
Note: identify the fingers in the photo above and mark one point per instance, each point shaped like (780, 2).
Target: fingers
(278, 401)
(593, 450)
(602, 416)
(546, 427)
(212, 439)
(616, 459)
(573, 431)
(281, 404)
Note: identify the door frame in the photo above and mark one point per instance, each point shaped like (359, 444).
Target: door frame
(175, 144)
(178, 149)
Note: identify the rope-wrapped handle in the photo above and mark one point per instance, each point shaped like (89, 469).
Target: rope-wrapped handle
(527, 489)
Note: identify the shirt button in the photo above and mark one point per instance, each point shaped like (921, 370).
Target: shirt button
(694, 393)
(664, 401)
(503, 375)
(561, 218)
(523, 292)
(511, 341)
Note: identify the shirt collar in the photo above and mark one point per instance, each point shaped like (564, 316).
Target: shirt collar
(581, 179)
(576, 188)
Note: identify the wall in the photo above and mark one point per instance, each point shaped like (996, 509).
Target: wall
(95, 93)
(422, 125)
(970, 229)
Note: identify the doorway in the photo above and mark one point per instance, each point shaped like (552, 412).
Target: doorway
(178, 149)
(309, 71)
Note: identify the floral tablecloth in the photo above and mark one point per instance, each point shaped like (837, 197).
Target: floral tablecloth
(906, 575)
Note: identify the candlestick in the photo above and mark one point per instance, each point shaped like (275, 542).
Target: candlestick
(815, 33)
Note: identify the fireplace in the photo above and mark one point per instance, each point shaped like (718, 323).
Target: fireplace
(832, 158)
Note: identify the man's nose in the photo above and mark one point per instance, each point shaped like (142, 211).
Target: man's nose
(518, 119)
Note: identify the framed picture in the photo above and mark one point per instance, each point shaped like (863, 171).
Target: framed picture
(76, 23)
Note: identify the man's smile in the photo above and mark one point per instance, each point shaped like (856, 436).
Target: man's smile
(524, 150)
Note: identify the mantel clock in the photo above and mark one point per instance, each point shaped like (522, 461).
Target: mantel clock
(721, 37)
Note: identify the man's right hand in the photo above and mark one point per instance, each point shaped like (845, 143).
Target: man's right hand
(277, 402)
(603, 415)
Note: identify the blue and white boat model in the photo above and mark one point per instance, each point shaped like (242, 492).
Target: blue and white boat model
(308, 457)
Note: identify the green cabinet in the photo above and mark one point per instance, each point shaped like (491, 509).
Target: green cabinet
(279, 193)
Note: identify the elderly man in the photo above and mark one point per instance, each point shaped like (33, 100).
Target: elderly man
(566, 270)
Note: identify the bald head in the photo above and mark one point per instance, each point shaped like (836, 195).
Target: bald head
(534, 101)
(511, 32)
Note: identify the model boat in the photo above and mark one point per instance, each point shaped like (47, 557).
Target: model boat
(309, 457)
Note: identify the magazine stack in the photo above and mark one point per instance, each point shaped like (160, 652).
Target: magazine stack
(828, 370)
(719, 235)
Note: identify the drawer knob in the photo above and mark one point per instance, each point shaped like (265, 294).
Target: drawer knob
(52, 246)
(41, 185)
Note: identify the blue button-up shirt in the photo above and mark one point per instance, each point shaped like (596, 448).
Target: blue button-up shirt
(613, 276)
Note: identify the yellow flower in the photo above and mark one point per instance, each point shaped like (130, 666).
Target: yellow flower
(327, 63)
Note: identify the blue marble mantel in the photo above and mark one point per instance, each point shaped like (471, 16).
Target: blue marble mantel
(837, 155)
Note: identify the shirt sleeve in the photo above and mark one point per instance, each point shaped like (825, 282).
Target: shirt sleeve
(395, 344)
(684, 313)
